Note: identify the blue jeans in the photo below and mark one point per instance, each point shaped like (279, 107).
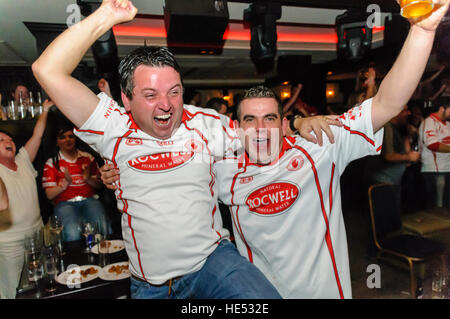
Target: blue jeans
(225, 275)
(71, 214)
(433, 189)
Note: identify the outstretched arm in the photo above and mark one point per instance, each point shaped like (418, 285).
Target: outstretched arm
(54, 67)
(32, 145)
(399, 84)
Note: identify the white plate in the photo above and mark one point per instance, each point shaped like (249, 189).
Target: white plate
(107, 275)
(116, 245)
(73, 277)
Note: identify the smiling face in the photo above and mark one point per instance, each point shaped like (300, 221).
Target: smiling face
(261, 129)
(66, 141)
(157, 101)
(7, 147)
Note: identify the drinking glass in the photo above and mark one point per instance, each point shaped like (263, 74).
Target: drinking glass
(415, 8)
(103, 251)
(88, 232)
(34, 265)
(12, 111)
(56, 227)
(51, 268)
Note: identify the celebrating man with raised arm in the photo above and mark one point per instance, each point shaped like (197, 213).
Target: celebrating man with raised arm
(285, 202)
(284, 193)
(165, 151)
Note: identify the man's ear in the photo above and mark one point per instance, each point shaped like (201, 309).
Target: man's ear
(125, 101)
(284, 125)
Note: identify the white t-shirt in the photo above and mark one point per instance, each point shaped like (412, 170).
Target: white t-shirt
(23, 214)
(287, 216)
(433, 130)
(167, 188)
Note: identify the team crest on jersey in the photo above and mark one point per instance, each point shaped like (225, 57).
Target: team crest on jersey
(131, 141)
(296, 163)
(273, 199)
(353, 114)
(245, 180)
(194, 146)
(161, 162)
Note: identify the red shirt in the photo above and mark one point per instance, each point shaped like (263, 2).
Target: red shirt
(51, 176)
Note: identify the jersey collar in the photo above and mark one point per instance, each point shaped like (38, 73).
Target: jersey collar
(437, 118)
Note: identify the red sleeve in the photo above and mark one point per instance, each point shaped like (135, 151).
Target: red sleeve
(49, 178)
(434, 147)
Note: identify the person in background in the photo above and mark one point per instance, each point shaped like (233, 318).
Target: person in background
(22, 215)
(218, 104)
(413, 190)
(434, 133)
(70, 181)
(20, 88)
(196, 99)
(396, 155)
(365, 88)
(296, 106)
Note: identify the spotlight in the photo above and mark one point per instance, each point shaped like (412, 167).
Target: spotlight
(261, 17)
(354, 36)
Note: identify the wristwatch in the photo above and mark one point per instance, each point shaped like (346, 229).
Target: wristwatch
(291, 123)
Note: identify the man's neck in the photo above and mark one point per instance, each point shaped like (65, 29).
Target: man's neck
(9, 163)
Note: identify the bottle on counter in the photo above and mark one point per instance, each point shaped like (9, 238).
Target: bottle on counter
(31, 110)
(21, 109)
(39, 106)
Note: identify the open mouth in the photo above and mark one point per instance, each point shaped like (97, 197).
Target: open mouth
(261, 143)
(9, 148)
(163, 119)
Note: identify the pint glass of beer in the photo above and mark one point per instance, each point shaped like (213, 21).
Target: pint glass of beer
(415, 8)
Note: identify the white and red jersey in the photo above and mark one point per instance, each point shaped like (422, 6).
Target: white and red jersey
(167, 188)
(431, 131)
(52, 176)
(287, 216)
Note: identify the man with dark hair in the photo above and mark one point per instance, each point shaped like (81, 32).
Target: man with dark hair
(218, 104)
(284, 192)
(434, 137)
(165, 151)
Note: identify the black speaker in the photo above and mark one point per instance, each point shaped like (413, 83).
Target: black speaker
(196, 26)
(294, 68)
(354, 36)
(395, 32)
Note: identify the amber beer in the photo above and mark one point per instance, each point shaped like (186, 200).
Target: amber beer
(415, 8)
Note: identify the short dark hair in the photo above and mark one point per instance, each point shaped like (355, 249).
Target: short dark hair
(259, 91)
(151, 56)
(215, 103)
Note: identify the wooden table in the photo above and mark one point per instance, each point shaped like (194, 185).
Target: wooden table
(94, 289)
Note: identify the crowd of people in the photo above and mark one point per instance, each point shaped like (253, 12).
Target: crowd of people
(171, 164)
